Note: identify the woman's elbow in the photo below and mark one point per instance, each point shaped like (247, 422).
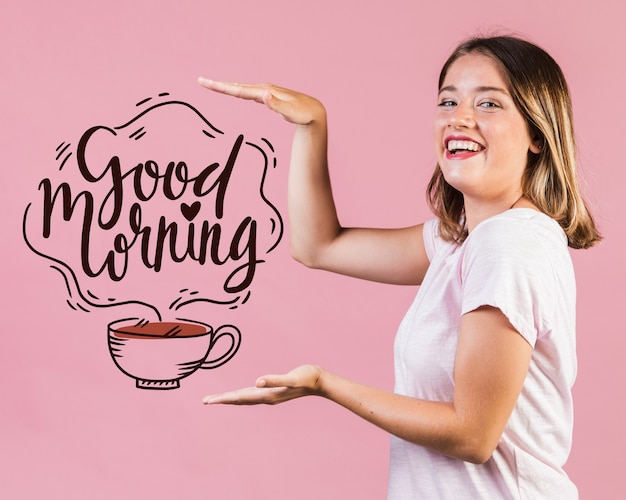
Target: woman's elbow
(306, 258)
(307, 254)
(476, 450)
(478, 456)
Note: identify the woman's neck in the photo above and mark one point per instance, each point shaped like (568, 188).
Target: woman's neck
(476, 212)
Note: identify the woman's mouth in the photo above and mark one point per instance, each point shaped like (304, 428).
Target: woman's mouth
(461, 149)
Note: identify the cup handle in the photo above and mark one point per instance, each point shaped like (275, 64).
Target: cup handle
(235, 337)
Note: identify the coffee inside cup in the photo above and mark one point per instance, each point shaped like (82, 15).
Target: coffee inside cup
(159, 330)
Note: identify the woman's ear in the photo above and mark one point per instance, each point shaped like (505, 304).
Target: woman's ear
(537, 144)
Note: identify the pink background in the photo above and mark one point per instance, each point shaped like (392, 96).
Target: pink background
(73, 426)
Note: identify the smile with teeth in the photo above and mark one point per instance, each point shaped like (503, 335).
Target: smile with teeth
(454, 146)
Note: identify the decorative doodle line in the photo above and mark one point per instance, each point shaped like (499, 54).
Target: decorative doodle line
(165, 103)
(67, 272)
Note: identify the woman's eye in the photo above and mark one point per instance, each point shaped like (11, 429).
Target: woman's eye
(489, 104)
(446, 103)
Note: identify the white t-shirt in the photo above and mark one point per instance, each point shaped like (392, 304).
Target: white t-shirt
(517, 261)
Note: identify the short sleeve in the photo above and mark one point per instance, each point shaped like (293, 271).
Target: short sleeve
(431, 237)
(507, 265)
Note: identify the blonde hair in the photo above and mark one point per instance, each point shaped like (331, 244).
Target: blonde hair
(550, 180)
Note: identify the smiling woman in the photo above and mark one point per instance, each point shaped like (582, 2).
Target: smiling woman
(485, 357)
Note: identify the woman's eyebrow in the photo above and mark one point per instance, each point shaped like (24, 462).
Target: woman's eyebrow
(484, 88)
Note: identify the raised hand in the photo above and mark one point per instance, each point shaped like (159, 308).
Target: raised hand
(295, 107)
(274, 389)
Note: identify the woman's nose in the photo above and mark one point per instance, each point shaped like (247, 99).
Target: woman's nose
(462, 116)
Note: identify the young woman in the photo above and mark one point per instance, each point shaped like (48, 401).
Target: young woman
(485, 357)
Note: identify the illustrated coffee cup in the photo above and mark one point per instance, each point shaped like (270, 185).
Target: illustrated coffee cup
(159, 354)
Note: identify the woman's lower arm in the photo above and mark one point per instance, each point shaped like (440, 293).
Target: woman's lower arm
(434, 425)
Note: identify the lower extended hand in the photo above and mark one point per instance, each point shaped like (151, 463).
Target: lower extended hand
(274, 389)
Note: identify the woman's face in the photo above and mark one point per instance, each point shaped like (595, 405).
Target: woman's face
(481, 139)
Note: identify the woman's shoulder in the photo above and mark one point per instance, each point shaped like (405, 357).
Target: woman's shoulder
(520, 238)
(520, 226)
(516, 231)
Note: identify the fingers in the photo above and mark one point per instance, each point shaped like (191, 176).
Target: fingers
(246, 396)
(258, 93)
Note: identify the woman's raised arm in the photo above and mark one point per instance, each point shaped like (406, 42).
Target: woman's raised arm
(317, 238)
